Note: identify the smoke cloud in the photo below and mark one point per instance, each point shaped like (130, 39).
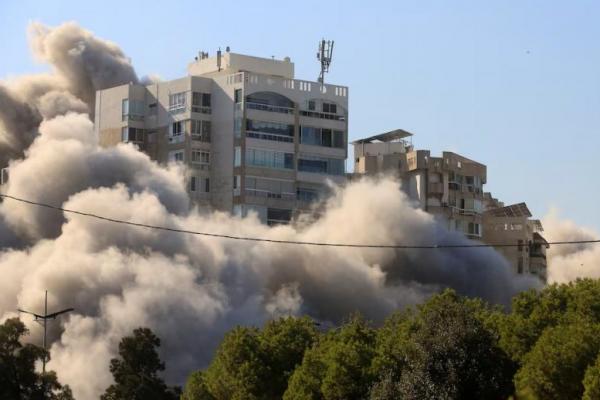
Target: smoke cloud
(569, 262)
(189, 289)
(81, 64)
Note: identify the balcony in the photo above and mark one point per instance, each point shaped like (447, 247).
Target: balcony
(269, 136)
(270, 195)
(201, 109)
(269, 107)
(322, 115)
(201, 137)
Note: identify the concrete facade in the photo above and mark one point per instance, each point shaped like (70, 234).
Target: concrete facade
(253, 138)
(510, 225)
(450, 187)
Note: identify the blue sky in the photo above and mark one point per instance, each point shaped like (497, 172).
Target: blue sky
(512, 84)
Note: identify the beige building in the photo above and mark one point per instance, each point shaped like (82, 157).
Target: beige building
(516, 236)
(450, 187)
(252, 137)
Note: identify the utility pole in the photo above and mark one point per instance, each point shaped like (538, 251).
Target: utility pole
(43, 320)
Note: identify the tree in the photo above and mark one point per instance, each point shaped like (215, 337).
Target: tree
(256, 364)
(136, 370)
(591, 381)
(338, 366)
(18, 378)
(451, 354)
(555, 367)
(196, 388)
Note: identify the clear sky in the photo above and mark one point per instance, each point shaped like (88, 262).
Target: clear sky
(512, 84)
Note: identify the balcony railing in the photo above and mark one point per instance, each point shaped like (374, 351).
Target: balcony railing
(269, 136)
(269, 107)
(201, 137)
(270, 195)
(322, 115)
(201, 109)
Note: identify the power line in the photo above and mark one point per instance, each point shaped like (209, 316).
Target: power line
(296, 242)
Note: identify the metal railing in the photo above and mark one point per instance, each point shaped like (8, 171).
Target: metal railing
(322, 115)
(270, 195)
(201, 137)
(269, 107)
(201, 109)
(269, 136)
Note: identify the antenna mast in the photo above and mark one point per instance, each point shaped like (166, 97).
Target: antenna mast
(324, 55)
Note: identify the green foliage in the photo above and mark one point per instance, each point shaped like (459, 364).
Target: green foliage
(451, 354)
(533, 312)
(555, 367)
(136, 370)
(196, 388)
(18, 378)
(591, 381)
(338, 367)
(256, 364)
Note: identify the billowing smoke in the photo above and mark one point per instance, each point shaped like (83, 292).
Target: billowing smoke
(81, 64)
(189, 289)
(569, 262)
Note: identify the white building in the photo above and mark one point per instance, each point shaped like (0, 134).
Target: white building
(253, 137)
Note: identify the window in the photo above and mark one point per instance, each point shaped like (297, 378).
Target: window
(276, 216)
(236, 182)
(177, 128)
(311, 105)
(125, 109)
(200, 130)
(269, 159)
(269, 130)
(200, 157)
(237, 156)
(192, 184)
(330, 108)
(520, 265)
(129, 134)
(237, 127)
(201, 102)
(321, 137)
(152, 109)
(307, 195)
(474, 229)
(177, 101)
(321, 165)
(237, 96)
(207, 185)
(176, 155)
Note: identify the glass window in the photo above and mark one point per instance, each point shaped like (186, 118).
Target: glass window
(269, 159)
(237, 156)
(338, 139)
(207, 185)
(177, 101)
(205, 99)
(192, 184)
(311, 105)
(237, 96)
(200, 157)
(177, 128)
(326, 139)
(125, 107)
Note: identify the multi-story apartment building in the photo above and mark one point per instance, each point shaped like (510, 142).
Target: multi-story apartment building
(512, 225)
(450, 187)
(252, 137)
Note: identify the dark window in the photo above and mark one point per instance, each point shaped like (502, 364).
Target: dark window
(205, 99)
(338, 139)
(289, 160)
(237, 96)
(311, 105)
(329, 108)
(207, 185)
(278, 216)
(193, 184)
(317, 166)
(326, 137)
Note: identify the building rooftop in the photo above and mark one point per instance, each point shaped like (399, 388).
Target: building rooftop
(386, 137)
(228, 62)
(514, 210)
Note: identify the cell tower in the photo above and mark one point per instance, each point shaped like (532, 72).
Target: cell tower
(325, 55)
